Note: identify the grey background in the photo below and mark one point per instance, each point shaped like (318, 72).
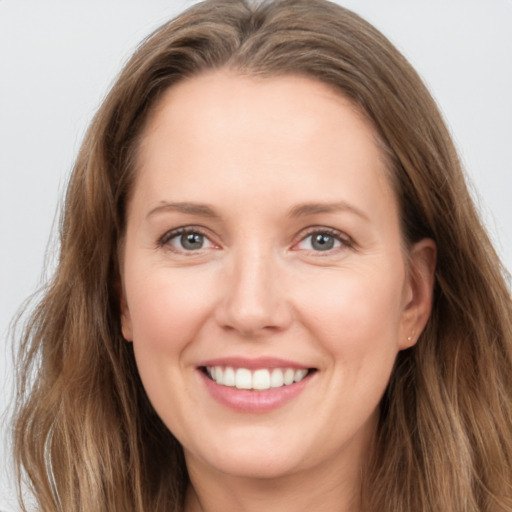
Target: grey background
(58, 58)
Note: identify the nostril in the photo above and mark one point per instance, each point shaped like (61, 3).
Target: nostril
(255, 322)
(252, 301)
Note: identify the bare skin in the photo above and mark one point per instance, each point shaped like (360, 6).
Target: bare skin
(263, 236)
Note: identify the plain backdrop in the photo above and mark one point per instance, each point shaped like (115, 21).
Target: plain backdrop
(58, 58)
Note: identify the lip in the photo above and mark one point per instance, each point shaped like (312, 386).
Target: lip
(253, 363)
(252, 401)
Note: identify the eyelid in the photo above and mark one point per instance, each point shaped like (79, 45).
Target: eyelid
(345, 240)
(164, 240)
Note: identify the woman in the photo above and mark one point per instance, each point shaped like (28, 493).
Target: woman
(273, 290)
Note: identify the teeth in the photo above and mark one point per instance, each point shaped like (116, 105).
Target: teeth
(243, 379)
(260, 379)
(277, 379)
(299, 375)
(289, 376)
(228, 378)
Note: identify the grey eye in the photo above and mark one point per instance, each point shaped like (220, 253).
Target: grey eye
(186, 240)
(191, 241)
(322, 241)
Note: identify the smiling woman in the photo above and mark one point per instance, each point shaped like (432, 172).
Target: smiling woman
(278, 303)
(273, 292)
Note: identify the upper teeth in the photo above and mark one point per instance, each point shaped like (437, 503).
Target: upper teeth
(260, 379)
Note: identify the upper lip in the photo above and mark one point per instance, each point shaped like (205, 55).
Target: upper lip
(254, 363)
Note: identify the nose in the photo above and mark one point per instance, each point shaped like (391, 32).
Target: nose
(254, 297)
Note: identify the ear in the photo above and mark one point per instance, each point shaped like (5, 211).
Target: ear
(126, 321)
(418, 291)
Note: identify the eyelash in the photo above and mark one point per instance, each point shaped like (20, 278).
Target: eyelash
(164, 240)
(344, 240)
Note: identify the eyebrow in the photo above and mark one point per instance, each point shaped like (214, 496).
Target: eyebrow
(300, 210)
(305, 209)
(199, 209)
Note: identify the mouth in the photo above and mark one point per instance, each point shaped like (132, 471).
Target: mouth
(259, 379)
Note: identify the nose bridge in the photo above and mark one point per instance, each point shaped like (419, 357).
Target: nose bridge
(254, 300)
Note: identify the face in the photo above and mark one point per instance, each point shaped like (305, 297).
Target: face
(267, 290)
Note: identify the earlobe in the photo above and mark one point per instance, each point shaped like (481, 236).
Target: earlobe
(126, 321)
(126, 325)
(419, 291)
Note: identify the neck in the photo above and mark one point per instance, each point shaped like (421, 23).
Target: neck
(326, 489)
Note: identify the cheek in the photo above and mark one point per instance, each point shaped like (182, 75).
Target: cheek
(167, 309)
(357, 311)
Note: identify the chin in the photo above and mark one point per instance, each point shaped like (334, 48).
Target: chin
(249, 459)
(259, 468)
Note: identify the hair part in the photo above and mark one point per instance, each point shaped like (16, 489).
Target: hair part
(86, 436)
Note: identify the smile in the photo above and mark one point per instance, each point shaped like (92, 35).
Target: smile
(260, 379)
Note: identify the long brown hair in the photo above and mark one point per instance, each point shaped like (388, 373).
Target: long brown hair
(86, 437)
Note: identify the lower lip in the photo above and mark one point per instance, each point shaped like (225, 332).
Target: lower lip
(250, 401)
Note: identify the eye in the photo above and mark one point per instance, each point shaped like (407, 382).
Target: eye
(189, 241)
(322, 241)
(185, 240)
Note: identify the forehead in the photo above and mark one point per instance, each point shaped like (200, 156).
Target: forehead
(222, 131)
(215, 95)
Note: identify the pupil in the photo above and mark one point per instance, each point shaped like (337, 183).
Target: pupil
(322, 242)
(192, 241)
